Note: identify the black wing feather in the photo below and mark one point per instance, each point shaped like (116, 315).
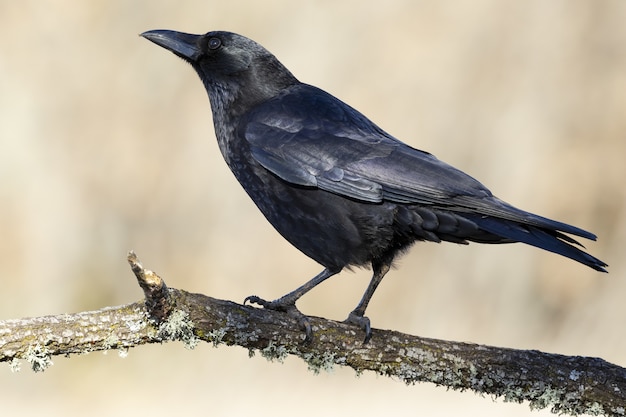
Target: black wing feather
(329, 145)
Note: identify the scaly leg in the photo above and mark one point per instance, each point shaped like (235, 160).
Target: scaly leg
(357, 316)
(287, 303)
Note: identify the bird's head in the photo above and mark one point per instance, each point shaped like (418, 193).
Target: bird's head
(232, 67)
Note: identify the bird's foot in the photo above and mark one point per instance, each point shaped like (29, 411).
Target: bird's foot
(361, 321)
(285, 306)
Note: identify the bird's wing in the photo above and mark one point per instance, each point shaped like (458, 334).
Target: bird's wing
(312, 139)
(309, 138)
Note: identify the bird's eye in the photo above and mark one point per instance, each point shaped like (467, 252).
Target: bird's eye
(214, 43)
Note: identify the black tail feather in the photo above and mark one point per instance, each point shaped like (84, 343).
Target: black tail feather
(546, 237)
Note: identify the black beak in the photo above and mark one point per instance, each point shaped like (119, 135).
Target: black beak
(185, 45)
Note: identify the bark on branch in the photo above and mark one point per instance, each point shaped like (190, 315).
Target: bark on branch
(566, 384)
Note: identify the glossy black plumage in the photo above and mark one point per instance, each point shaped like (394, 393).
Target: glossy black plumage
(333, 183)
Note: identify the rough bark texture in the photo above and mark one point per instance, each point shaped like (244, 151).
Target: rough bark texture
(572, 385)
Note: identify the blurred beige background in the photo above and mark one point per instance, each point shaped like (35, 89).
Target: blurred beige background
(106, 145)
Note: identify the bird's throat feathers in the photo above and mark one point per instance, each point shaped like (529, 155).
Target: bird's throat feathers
(238, 92)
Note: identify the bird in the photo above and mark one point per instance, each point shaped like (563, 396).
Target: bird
(335, 185)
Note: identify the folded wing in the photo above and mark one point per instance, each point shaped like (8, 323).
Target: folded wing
(309, 138)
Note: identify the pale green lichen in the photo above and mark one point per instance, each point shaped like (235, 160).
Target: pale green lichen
(317, 363)
(15, 365)
(274, 352)
(178, 326)
(216, 336)
(596, 409)
(110, 342)
(39, 357)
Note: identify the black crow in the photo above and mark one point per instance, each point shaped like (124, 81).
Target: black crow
(334, 184)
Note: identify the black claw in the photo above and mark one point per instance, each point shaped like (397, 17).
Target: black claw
(305, 325)
(368, 334)
(308, 335)
(363, 323)
(253, 299)
(285, 307)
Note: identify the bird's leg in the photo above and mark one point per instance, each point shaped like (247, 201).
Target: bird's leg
(287, 303)
(357, 316)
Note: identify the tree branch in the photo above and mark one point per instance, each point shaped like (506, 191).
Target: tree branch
(566, 384)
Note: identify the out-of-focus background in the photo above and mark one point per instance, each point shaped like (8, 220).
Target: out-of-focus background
(106, 145)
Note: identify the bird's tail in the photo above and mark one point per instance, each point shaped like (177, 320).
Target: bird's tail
(542, 233)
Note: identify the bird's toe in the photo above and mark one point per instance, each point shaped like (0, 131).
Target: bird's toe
(303, 321)
(253, 299)
(285, 306)
(363, 322)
